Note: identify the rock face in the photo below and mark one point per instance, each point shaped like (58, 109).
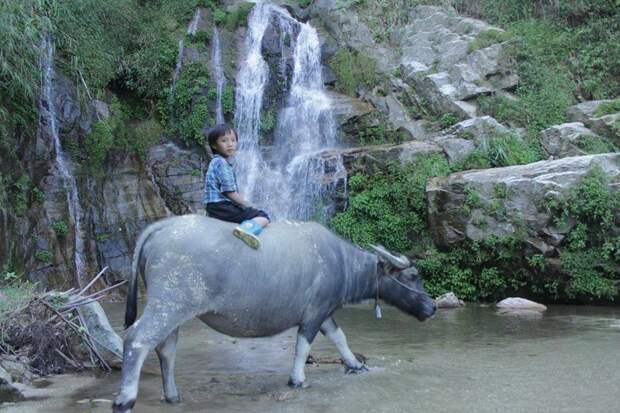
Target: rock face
(179, 174)
(367, 158)
(347, 28)
(607, 125)
(567, 139)
(475, 205)
(439, 61)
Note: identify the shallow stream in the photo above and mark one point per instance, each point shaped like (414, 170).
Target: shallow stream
(471, 359)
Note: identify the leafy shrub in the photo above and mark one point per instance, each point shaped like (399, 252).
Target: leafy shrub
(97, 144)
(389, 207)
(447, 120)
(591, 253)
(60, 228)
(44, 256)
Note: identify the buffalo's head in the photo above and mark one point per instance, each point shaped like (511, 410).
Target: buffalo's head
(401, 286)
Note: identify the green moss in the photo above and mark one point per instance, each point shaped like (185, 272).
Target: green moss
(228, 101)
(199, 38)
(21, 190)
(353, 70)
(268, 122)
(97, 144)
(487, 38)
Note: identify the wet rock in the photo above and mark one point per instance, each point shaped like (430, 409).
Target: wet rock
(567, 139)
(517, 303)
(108, 343)
(475, 205)
(8, 391)
(449, 300)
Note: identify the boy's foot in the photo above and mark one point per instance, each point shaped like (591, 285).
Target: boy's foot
(245, 231)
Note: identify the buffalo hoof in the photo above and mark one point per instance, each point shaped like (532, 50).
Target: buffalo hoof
(355, 370)
(172, 400)
(123, 407)
(297, 385)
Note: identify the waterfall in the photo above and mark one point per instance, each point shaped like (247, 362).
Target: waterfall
(48, 122)
(294, 183)
(218, 71)
(191, 30)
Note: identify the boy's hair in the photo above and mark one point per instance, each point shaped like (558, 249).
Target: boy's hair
(217, 131)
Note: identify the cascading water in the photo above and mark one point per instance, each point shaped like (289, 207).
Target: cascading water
(293, 184)
(48, 122)
(218, 71)
(191, 30)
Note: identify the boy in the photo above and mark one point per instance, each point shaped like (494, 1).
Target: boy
(222, 198)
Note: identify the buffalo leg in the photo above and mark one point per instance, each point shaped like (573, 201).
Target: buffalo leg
(157, 322)
(167, 351)
(336, 335)
(302, 349)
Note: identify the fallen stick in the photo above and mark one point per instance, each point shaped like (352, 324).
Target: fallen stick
(83, 290)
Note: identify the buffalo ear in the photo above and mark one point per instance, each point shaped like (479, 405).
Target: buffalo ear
(399, 261)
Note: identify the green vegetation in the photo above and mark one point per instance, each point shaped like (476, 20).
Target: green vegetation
(487, 38)
(186, 115)
(353, 70)
(595, 144)
(389, 207)
(447, 119)
(607, 108)
(501, 150)
(592, 250)
(60, 228)
(239, 16)
(44, 256)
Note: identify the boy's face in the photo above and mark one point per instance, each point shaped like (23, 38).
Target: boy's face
(226, 145)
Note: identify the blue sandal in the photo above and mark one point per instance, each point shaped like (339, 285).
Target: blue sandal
(247, 231)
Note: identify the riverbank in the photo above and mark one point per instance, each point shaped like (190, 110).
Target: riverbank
(562, 361)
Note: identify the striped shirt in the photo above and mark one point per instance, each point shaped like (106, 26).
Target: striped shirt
(219, 178)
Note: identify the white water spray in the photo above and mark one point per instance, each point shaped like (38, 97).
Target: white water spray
(48, 121)
(294, 183)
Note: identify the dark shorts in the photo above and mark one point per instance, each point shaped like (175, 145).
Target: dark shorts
(228, 211)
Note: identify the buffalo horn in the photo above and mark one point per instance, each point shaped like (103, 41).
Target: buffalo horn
(399, 261)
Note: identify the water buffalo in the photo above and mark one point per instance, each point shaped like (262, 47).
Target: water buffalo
(193, 267)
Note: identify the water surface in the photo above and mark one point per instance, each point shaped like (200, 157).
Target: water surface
(465, 360)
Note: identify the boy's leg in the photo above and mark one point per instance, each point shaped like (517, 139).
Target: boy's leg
(254, 222)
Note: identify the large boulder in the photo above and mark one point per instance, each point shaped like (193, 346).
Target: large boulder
(573, 139)
(475, 205)
(600, 121)
(439, 59)
(466, 136)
